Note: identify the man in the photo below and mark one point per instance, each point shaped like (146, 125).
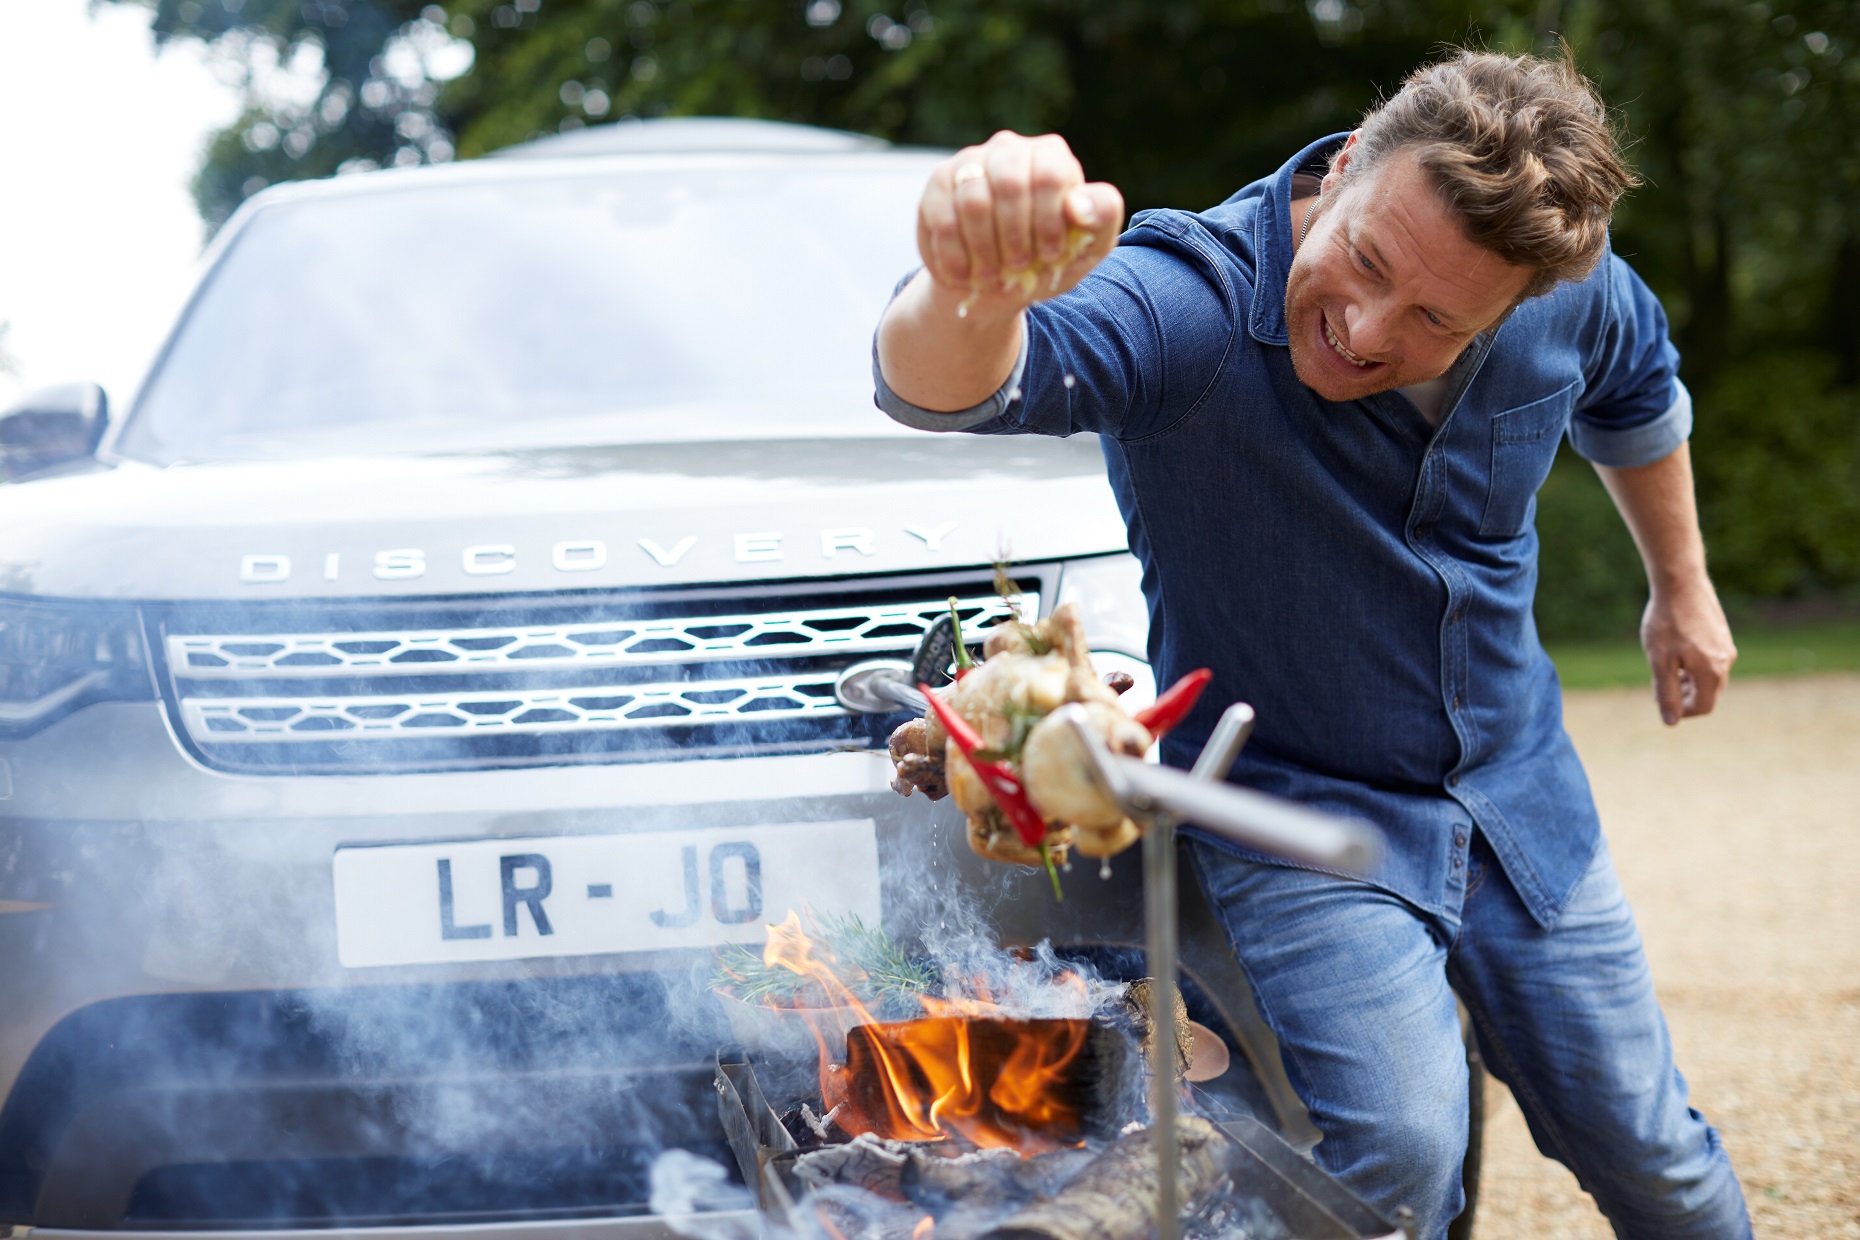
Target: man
(1327, 405)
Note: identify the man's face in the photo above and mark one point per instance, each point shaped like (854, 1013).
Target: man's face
(1386, 289)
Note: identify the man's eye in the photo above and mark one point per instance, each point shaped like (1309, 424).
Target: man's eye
(1364, 260)
(1433, 318)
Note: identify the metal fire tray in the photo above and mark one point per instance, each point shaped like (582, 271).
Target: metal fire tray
(1310, 1204)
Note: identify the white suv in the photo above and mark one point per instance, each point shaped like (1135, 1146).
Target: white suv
(439, 659)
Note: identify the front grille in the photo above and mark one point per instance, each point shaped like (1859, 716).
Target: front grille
(266, 720)
(752, 635)
(396, 686)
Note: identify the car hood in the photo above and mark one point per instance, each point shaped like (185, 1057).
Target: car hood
(555, 518)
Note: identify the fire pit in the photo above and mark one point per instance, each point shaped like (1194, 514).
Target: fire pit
(977, 1121)
(811, 1177)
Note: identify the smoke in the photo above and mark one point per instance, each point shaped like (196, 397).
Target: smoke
(686, 1187)
(275, 1084)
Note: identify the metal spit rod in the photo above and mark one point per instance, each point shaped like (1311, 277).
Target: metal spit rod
(1160, 798)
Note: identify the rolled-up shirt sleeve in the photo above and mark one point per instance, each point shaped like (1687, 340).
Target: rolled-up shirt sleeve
(1634, 410)
(919, 418)
(1137, 345)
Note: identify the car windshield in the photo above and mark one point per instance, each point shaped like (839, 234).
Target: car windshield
(700, 299)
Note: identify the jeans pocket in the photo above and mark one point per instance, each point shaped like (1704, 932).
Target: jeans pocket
(1524, 443)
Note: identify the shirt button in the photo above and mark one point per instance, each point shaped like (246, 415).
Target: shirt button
(1459, 839)
(1420, 531)
(1459, 613)
(1456, 701)
(1456, 863)
(1453, 781)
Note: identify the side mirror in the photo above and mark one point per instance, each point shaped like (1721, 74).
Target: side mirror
(52, 426)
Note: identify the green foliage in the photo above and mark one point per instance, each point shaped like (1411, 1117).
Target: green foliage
(1179, 101)
(1763, 649)
(1740, 114)
(862, 958)
(1776, 450)
(1779, 477)
(1590, 584)
(373, 102)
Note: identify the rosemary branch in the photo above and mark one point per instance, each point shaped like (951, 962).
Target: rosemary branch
(863, 959)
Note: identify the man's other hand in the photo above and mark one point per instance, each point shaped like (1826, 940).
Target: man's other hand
(1684, 632)
(1004, 224)
(1688, 644)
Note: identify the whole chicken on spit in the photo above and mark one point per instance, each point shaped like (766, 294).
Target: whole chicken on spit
(988, 740)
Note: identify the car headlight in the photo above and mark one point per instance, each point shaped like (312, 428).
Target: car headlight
(1109, 592)
(57, 657)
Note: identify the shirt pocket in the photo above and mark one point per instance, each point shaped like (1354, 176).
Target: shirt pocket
(1524, 443)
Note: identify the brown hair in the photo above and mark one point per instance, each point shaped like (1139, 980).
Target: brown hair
(1519, 148)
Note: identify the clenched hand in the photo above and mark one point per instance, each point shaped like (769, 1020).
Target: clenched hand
(1014, 221)
(1000, 226)
(1689, 647)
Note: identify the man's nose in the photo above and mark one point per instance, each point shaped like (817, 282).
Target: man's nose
(1372, 329)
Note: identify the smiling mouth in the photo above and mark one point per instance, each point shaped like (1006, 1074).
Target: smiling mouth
(1330, 338)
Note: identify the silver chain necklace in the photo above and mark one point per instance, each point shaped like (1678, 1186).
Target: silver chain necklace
(1305, 228)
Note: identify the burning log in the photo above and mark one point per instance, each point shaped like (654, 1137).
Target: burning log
(1114, 1197)
(935, 1178)
(1030, 1085)
(1000, 1178)
(867, 1162)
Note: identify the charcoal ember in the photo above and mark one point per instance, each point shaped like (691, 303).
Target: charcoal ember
(853, 1214)
(1001, 1178)
(1235, 1216)
(936, 1177)
(869, 1163)
(1114, 1196)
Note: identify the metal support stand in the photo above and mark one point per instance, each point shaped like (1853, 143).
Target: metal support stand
(1160, 798)
(1159, 933)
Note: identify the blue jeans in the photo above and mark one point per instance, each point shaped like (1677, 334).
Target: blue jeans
(1359, 987)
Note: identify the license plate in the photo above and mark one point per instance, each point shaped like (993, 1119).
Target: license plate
(580, 895)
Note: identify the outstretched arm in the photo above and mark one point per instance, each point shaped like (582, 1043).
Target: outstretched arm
(1684, 632)
(1012, 205)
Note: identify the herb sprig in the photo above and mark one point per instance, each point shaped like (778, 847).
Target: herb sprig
(863, 959)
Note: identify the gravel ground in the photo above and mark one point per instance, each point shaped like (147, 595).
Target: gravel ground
(1738, 840)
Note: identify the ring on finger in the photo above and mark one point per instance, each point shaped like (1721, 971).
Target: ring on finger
(969, 172)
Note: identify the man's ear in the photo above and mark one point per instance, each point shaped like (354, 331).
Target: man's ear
(1340, 161)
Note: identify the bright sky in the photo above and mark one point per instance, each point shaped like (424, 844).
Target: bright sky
(98, 234)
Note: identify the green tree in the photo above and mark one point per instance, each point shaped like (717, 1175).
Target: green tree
(376, 69)
(1740, 113)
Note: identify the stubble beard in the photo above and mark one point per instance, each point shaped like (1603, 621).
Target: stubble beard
(1303, 321)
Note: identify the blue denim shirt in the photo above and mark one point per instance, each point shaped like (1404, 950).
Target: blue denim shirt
(1360, 576)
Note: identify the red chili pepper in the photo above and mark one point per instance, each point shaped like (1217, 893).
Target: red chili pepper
(997, 777)
(1171, 707)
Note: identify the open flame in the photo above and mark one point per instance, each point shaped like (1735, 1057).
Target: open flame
(966, 1069)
